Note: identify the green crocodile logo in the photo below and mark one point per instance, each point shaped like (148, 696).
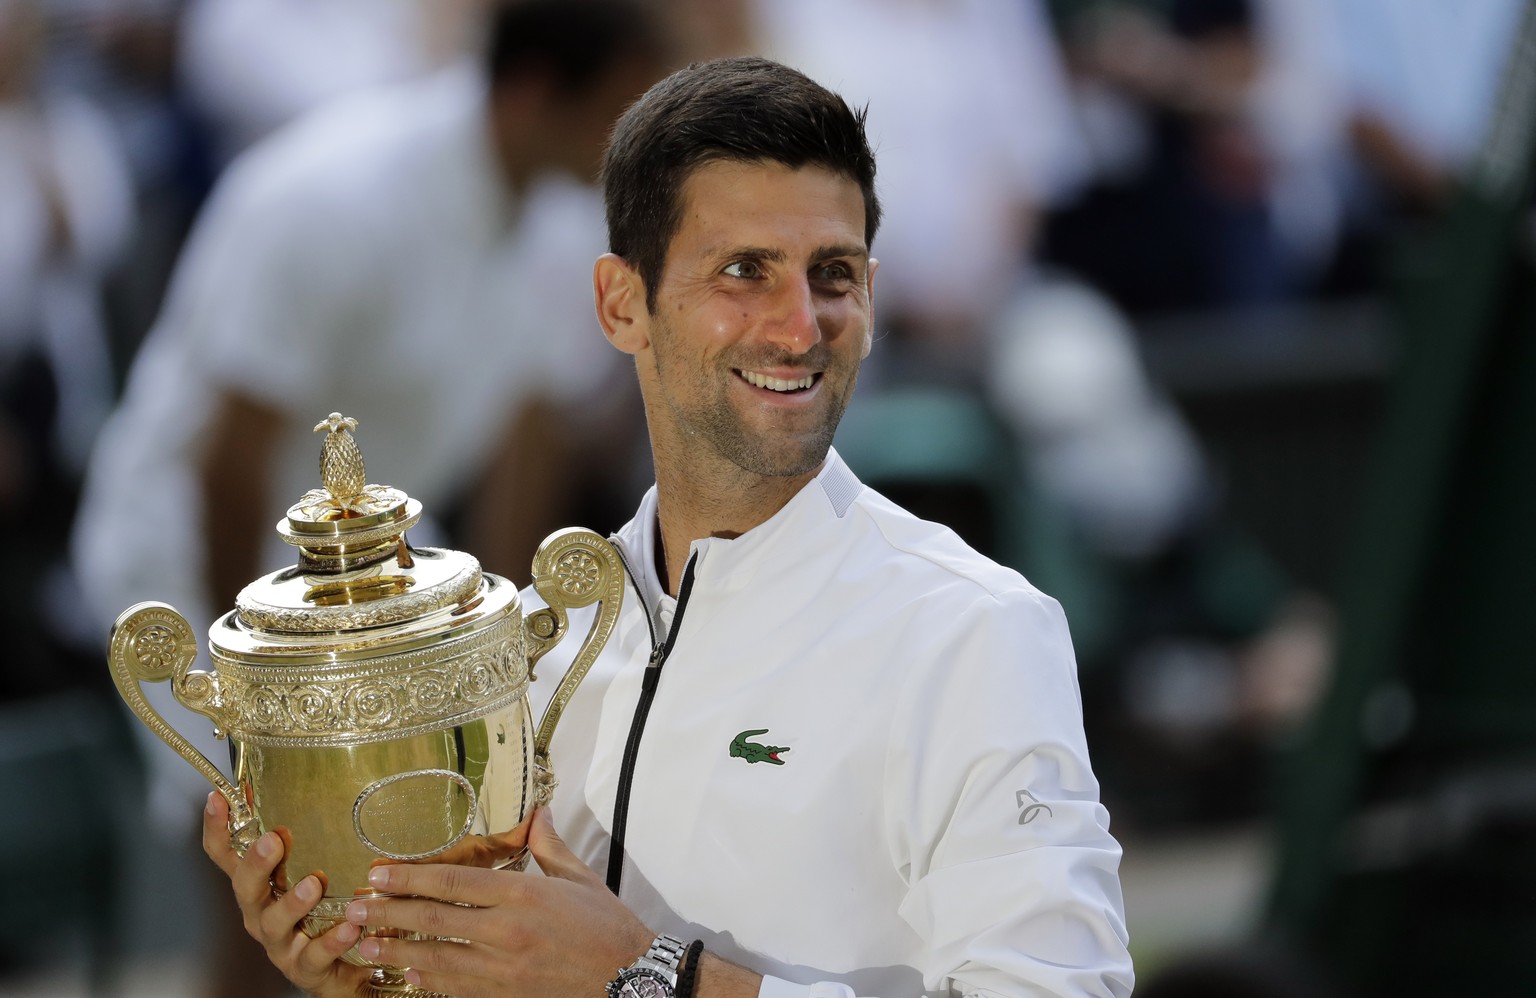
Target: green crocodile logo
(753, 752)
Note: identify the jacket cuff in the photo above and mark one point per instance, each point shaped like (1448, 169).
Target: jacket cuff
(774, 987)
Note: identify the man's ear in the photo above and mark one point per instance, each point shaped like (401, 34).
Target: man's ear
(869, 303)
(620, 297)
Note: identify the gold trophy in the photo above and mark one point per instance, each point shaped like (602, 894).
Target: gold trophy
(374, 696)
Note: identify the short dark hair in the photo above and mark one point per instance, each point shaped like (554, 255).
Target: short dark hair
(576, 43)
(743, 109)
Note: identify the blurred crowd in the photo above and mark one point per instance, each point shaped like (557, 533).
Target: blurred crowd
(222, 219)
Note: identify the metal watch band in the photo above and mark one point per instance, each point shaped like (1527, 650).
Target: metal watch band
(667, 951)
(661, 961)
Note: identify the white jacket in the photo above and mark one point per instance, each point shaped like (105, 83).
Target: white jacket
(929, 820)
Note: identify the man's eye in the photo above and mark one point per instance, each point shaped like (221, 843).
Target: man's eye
(742, 268)
(835, 272)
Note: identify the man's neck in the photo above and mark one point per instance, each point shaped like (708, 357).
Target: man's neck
(729, 506)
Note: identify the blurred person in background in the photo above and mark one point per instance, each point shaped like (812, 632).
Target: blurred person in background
(66, 214)
(1215, 128)
(710, 29)
(121, 55)
(250, 66)
(1421, 80)
(416, 256)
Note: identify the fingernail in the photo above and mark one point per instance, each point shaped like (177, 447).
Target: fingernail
(368, 949)
(379, 876)
(357, 912)
(208, 807)
(308, 890)
(267, 845)
(413, 978)
(348, 933)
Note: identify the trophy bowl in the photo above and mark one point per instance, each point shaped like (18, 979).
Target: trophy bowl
(374, 696)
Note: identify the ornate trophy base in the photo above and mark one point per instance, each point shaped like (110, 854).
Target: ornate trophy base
(389, 984)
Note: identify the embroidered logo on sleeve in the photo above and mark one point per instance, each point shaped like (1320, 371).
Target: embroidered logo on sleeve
(1030, 807)
(753, 752)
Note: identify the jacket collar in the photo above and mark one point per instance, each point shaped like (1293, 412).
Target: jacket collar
(730, 563)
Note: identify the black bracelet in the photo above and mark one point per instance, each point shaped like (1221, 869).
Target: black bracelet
(690, 970)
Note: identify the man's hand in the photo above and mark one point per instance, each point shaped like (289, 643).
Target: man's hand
(560, 934)
(313, 965)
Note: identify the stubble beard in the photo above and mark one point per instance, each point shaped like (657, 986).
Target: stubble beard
(770, 457)
(715, 423)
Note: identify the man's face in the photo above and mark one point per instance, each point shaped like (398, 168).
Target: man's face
(762, 317)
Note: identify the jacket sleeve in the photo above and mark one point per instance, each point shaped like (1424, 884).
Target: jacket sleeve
(1013, 875)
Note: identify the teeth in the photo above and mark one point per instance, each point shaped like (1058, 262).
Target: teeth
(778, 384)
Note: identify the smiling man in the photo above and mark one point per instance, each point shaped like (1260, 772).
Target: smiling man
(912, 695)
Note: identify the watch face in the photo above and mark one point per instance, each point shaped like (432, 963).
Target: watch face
(639, 982)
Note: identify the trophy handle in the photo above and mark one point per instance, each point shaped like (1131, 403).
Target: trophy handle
(152, 643)
(573, 568)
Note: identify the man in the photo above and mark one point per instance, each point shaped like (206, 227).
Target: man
(827, 740)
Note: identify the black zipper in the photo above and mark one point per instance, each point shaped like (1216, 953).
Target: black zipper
(648, 683)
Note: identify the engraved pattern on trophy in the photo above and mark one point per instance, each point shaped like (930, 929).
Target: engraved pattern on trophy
(578, 574)
(382, 698)
(155, 648)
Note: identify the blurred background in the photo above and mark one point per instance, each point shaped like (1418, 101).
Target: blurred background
(1215, 318)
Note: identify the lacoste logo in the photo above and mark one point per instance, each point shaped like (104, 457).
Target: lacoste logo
(753, 752)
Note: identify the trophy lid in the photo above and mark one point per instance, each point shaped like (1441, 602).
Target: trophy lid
(358, 584)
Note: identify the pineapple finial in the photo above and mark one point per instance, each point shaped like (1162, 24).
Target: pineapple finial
(341, 462)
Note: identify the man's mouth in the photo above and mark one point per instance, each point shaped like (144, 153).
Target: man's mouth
(778, 384)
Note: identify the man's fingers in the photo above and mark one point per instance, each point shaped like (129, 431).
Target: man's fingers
(279, 918)
(553, 855)
(315, 958)
(276, 922)
(466, 885)
(252, 878)
(429, 917)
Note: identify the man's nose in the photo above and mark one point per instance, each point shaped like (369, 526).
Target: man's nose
(793, 324)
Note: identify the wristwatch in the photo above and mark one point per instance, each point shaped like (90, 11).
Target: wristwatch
(654, 975)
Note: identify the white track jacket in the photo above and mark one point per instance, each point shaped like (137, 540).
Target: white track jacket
(863, 771)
